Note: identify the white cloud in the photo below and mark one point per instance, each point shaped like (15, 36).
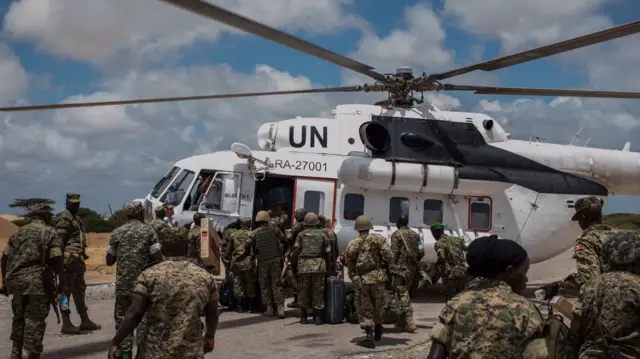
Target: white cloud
(14, 80)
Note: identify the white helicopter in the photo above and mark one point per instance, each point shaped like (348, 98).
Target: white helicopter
(401, 157)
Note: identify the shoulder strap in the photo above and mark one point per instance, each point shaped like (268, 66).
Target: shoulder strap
(406, 247)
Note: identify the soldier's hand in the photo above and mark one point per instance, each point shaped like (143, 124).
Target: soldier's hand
(550, 290)
(209, 344)
(112, 351)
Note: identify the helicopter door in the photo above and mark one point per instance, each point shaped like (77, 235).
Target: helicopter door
(316, 195)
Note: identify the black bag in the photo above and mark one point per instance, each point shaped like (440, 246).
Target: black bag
(334, 300)
(226, 292)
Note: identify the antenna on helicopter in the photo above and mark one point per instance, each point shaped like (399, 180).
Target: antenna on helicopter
(575, 138)
(586, 143)
(627, 147)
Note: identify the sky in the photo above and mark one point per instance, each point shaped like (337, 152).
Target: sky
(77, 50)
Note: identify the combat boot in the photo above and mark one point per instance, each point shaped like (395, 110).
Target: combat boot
(410, 326)
(87, 324)
(67, 326)
(318, 317)
(293, 304)
(269, 311)
(16, 350)
(368, 340)
(239, 306)
(251, 305)
(303, 316)
(34, 356)
(281, 311)
(378, 332)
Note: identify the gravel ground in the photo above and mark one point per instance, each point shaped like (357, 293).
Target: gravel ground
(417, 351)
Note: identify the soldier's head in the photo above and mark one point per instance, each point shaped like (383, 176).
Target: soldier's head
(402, 221)
(363, 224)
(159, 212)
(437, 230)
(499, 259)
(622, 252)
(197, 218)
(134, 210)
(276, 208)
(322, 220)
(168, 210)
(175, 243)
(262, 218)
(245, 222)
(73, 202)
(299, 214)
(41, 211)
(588, 211)
(311, 220)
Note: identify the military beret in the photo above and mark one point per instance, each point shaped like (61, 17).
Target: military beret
(176, 234)
(39, 209)
(622, 248)
(73, 197)
(436, 226)
(591, 204)
(133, 209)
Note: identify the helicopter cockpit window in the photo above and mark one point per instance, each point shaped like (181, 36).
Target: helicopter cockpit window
(398, 206)
(164, 182)
(353, 206)
(433, 212)
(480, 215)
(223, 192)
(178, 188)
(197, 191)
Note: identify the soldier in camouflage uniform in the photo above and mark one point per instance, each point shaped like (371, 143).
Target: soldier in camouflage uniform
(159, 224)
(242, 264)
(325, 225)
(31, 251)
(193, 251)
(133, 246)
(278, 218)
(609, 303)
(451, 261)
(405, 245)
(290, 273)
(172, 294)
(311, 253)
(74, 243)
(267, 242)
(495, 320)
(367, 258)
(586, 250)
(227, 232)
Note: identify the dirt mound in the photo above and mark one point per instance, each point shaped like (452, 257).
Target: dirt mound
(7, 228)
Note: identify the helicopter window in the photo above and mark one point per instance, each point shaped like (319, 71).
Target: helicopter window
(314, 202)
(197, 193)
(432, 212)
(164, 182)
(178, 188)
(398, 206)
(223, 193)
(480, 215)
(353, 206)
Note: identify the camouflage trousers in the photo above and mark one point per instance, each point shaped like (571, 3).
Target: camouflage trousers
(454, 286)
(122, 304)
(244, 284)
(270, 283)
(291, 279)
(402, 286)
(29, 325)
(75, 270)
(371, 305)
(311, 290)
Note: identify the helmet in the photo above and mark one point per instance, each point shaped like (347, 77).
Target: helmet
(159, 211)
(591, 204)
(245, 222)
(322, 219)
(299, 214)
(622, 248)
(262, 216)
(363, 223)
(133, 209)
(310, 219)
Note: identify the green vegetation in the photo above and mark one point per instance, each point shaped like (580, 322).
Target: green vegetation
(624, 221)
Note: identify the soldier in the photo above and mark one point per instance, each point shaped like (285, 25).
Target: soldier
(405, 245)
(267, 242)
(193, 251)
(311, 253)
(242, 264)
(74, 243)
(134, 245)
(368, 256)
(588, 246)
(173, 293)
(25, 261)
(325, 225)
(608, 304)
(159, 224)
(451, 261)
(494, 321)
(225, 239)
(277, 217)
(290, 273)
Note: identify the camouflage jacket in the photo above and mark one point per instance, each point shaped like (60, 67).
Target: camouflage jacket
(161, 227)
(311, 265)
(292, 233)
(616, 298)
(280, 221)
(239, 252)
(451, 257)
(403, 258)
(333, 239)
(28, 252)
(367, 258)
(71, 231)
(226, 239)
(179, 291)
(193, 249)
(132, 244)
(587, 253)
(492, 322)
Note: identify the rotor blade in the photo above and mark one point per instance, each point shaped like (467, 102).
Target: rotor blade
(489, 90)
(219, 14)
(172, 99)
(544, 51)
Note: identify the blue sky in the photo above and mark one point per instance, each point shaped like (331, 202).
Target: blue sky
(102, 49)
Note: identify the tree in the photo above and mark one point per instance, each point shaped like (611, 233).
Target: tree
(28, 203)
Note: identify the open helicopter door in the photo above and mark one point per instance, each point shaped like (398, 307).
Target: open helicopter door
(316, 195)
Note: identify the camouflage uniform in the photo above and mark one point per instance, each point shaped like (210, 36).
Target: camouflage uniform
(405, 245)
(333, 237)
(242, 262)
(225, 239)
(26, 264)
(612, 299)
(193, 251)
(280, 221)
(179, 292)
(491, 322)
(131, 244)
(74, 243)
(159, 225)
(290, 273)
(587, 248)
(453, 264)
(310, 252)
